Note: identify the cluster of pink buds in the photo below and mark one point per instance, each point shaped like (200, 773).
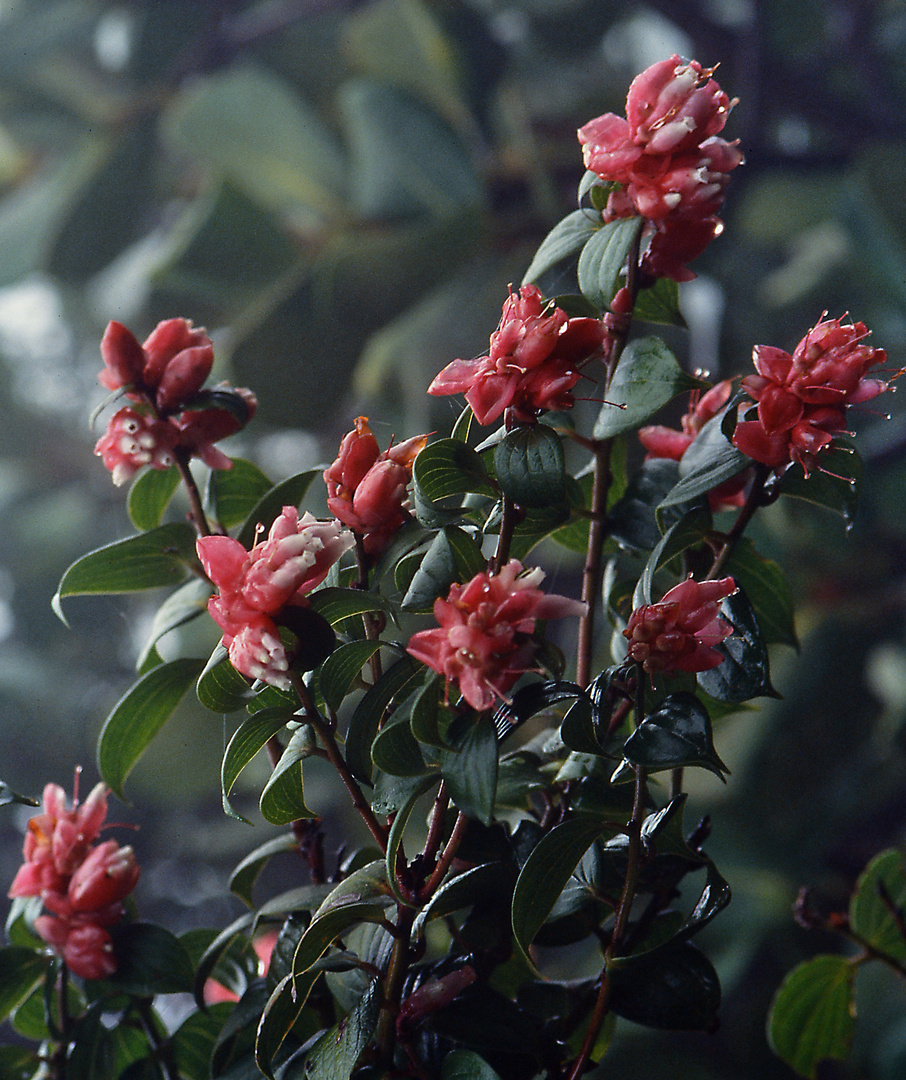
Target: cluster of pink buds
(483, 640)
(664, 442)
(81, 884)
(679, 633)
(666, 156)
(802, 398)
(366, 489)
(534, 361)
(255, 587)
(172, 415)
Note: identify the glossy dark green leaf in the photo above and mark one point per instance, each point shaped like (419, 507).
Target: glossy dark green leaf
(336, 604)
(8, 797)
(529, 465)
(602, 262)
(671, 989)
(17, 1063)
(250, 737)
(368, 714)
(768, 589)
(216, 948)
(187, 603)
(161, 556)
(150, 960)
(475, 886)
(243, 878)
(395, 837)
(469, 769)
(647, 377)
(530, 700)
(428, 718)
(220, 687)
(659, 303)
(283, 797)
(446, 468)
(283, 1009)
(395, 749)
(634, 523)
(833, 483)
(452, 555)
(683, 534)
(139, 715)
(710, 461)
(566, 239)
(150, 495)
(745, 671)
(341, 669)
(875, 910)
(21, 970)
(193, 1041)
(466, 1065)
(232, 494)
(334, 1055)
(546, 872)
(264, 513)
(678, 734)
(813, 1015)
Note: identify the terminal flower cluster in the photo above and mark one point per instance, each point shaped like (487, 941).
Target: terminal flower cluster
(680, 632)
(255, 587)
(81, 884)
(171, 414)
(802, 397)
(366, 488)
(668, 160)
(483, 640)
(534, 361)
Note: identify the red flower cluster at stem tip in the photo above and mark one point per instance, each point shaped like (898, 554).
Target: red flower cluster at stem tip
(664, 442)
(533, 363)
(81, 884)
(679, 633)
(255, 587)
(802, 398)
(171, 414)
(483, 641)
(366, 489)
(668, 160)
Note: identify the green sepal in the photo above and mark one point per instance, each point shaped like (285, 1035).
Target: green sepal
(529, 465)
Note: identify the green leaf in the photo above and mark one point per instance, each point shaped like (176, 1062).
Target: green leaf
(709, 462)
(671, 989)
(252, 127)
(150, 960)
(565, 239)
(283, 1009)
(634, 521)
(368, 714)
(395, 838)
(530, 467)
(647, 377)
(476, 886)
(603, 261)
(876, 907)
(243, 878)
(340, 670)
(466, 1065)
(150, 495)
(335, 1054)
(336, 604)
(162, 556)
(21, 970)
(812, 1018)
(451, 556)
(17, 1063)
(659, 303)
(469, 768)
(677, 735)
(289, 492)
(139, 715)
(232, 494)
(395, 749)
(745, 671)
(250, 737)
(546, 873)
(446, 468)
(362, 897)
(194, 1040)
(187, 603)
(283, 798)
(683, 534)
(833, 483)
(768, 589)
(220, 687)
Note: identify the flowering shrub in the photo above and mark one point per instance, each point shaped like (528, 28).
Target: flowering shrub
(549, 776)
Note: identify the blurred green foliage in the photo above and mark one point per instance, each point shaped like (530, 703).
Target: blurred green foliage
(341, 191)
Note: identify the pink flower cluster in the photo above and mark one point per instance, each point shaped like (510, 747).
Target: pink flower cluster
(664, 442)
(666, 156)
(163, 378)
(533, 363)
(81, 884)
(256, 586)
(679, 633)
(366, 489)
(802, 398)
(483, 639)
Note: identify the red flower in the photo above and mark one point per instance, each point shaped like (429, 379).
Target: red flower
(533, 362)
(679, 633)
(168, 369)
(483, 642)
(664, 442)
(802, 397)
(255, 586)
(667, 157)
(366, 489)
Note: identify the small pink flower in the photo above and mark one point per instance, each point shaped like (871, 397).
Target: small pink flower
(802, 397)
(679, 633)
(133, 440)
(533, 363)
(366, 489)
(255, 586)
(168, 369)
(107, 875)
(88, 952)
(483, 640)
